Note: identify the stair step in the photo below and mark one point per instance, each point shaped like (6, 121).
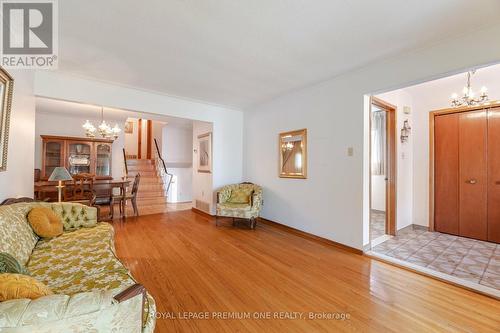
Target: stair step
(150, 194)
(149, 180)
(132, 173)
(143, 201)
(140, 167)
(151, 197)
(141, 161)
(146, 187)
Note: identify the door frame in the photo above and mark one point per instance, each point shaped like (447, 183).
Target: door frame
(432, 115)
(391, 184)
(139, 138)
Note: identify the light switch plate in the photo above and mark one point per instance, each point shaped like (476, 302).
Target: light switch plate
(350, 151)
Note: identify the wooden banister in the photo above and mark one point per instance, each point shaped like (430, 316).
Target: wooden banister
(125, 161)
(164, 165)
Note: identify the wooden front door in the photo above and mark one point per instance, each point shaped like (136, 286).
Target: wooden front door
(494, 175)
(446, 174)
(473, 174)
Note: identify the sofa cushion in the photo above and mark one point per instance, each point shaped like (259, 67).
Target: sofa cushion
(16, 286)
(45, 222)
(240, 195)
(9, 264)
(16, 236)
(235, 206)
(105, 280)
(68, 263)
(74, 215)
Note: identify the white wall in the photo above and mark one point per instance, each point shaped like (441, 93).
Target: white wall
(177, 150)
(131, 138)
(227, 123)
(17, 180)
(181, 189)
(404, 159)
(59, 124)
(378, 192)
(431, 96)
(177, 144)
(157, 129)
(333, 201)
(202, 181)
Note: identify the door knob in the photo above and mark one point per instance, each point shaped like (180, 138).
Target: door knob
(471, 181)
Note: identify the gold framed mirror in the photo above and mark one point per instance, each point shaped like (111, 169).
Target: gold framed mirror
(6, 87)
(293, 154)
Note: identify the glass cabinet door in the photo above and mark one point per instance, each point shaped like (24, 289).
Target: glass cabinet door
(79, 157)
(53, 156)
(103, 160)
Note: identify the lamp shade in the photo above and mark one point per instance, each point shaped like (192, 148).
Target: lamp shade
(60, 173)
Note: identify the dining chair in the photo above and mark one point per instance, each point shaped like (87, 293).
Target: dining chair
(82, 189)
(132, 196)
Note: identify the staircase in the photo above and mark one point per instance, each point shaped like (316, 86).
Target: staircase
(151, 197)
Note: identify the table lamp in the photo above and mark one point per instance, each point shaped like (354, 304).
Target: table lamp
(60, 174)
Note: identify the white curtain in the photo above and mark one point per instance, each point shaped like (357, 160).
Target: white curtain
(378, 142)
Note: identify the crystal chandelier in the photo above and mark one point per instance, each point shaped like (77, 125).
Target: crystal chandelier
(468, 98)
(286, 146)
(104, 129)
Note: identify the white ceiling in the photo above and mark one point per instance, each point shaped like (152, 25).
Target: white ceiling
(92, 112)
(438, 92)
(242, 52)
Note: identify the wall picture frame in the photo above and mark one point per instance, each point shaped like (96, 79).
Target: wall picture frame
(129, 127)
(292, 147)
(205, 153)
(6, 89)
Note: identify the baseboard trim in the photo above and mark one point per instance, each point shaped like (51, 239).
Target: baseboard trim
(198, 211)
(413, 227)
(309, 236)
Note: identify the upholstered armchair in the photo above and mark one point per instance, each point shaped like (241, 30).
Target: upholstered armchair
(242, 201)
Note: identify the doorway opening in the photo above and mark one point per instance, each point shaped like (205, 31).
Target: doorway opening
(447, 162)
(382, 170)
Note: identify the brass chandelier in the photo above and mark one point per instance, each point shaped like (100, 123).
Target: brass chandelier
(468, 98)
(105, 130)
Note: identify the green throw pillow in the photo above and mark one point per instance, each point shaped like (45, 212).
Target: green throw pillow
(9, 264)
(240, 196)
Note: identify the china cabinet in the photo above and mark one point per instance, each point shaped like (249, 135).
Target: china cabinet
(78, 155)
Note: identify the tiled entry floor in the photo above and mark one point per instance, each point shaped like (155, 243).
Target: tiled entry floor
(472, 260)
(377, 224)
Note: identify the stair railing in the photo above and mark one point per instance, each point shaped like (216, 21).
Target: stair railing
(160, 165)
(125, 162)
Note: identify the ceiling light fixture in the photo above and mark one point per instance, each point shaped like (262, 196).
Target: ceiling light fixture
(104, 129)
(468, 98)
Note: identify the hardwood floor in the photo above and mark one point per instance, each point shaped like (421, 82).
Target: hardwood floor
(189, 265)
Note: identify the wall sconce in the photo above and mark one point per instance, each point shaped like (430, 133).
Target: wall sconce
(405, 131)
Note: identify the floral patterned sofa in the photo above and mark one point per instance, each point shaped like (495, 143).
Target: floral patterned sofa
(249, 210)
(92, 289)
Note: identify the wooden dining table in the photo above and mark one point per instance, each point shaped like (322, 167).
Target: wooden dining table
(45, 188)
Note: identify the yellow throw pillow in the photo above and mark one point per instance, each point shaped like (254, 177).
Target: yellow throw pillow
(45, 222)
(15, 286)
(240, 196)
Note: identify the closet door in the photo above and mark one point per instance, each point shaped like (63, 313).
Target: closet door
(473, 174)
(494, 175)
(446, 173)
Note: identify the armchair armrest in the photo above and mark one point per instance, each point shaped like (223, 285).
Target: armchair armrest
(94, 311)
(223, 195)
(131, 292)
(257, 198)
